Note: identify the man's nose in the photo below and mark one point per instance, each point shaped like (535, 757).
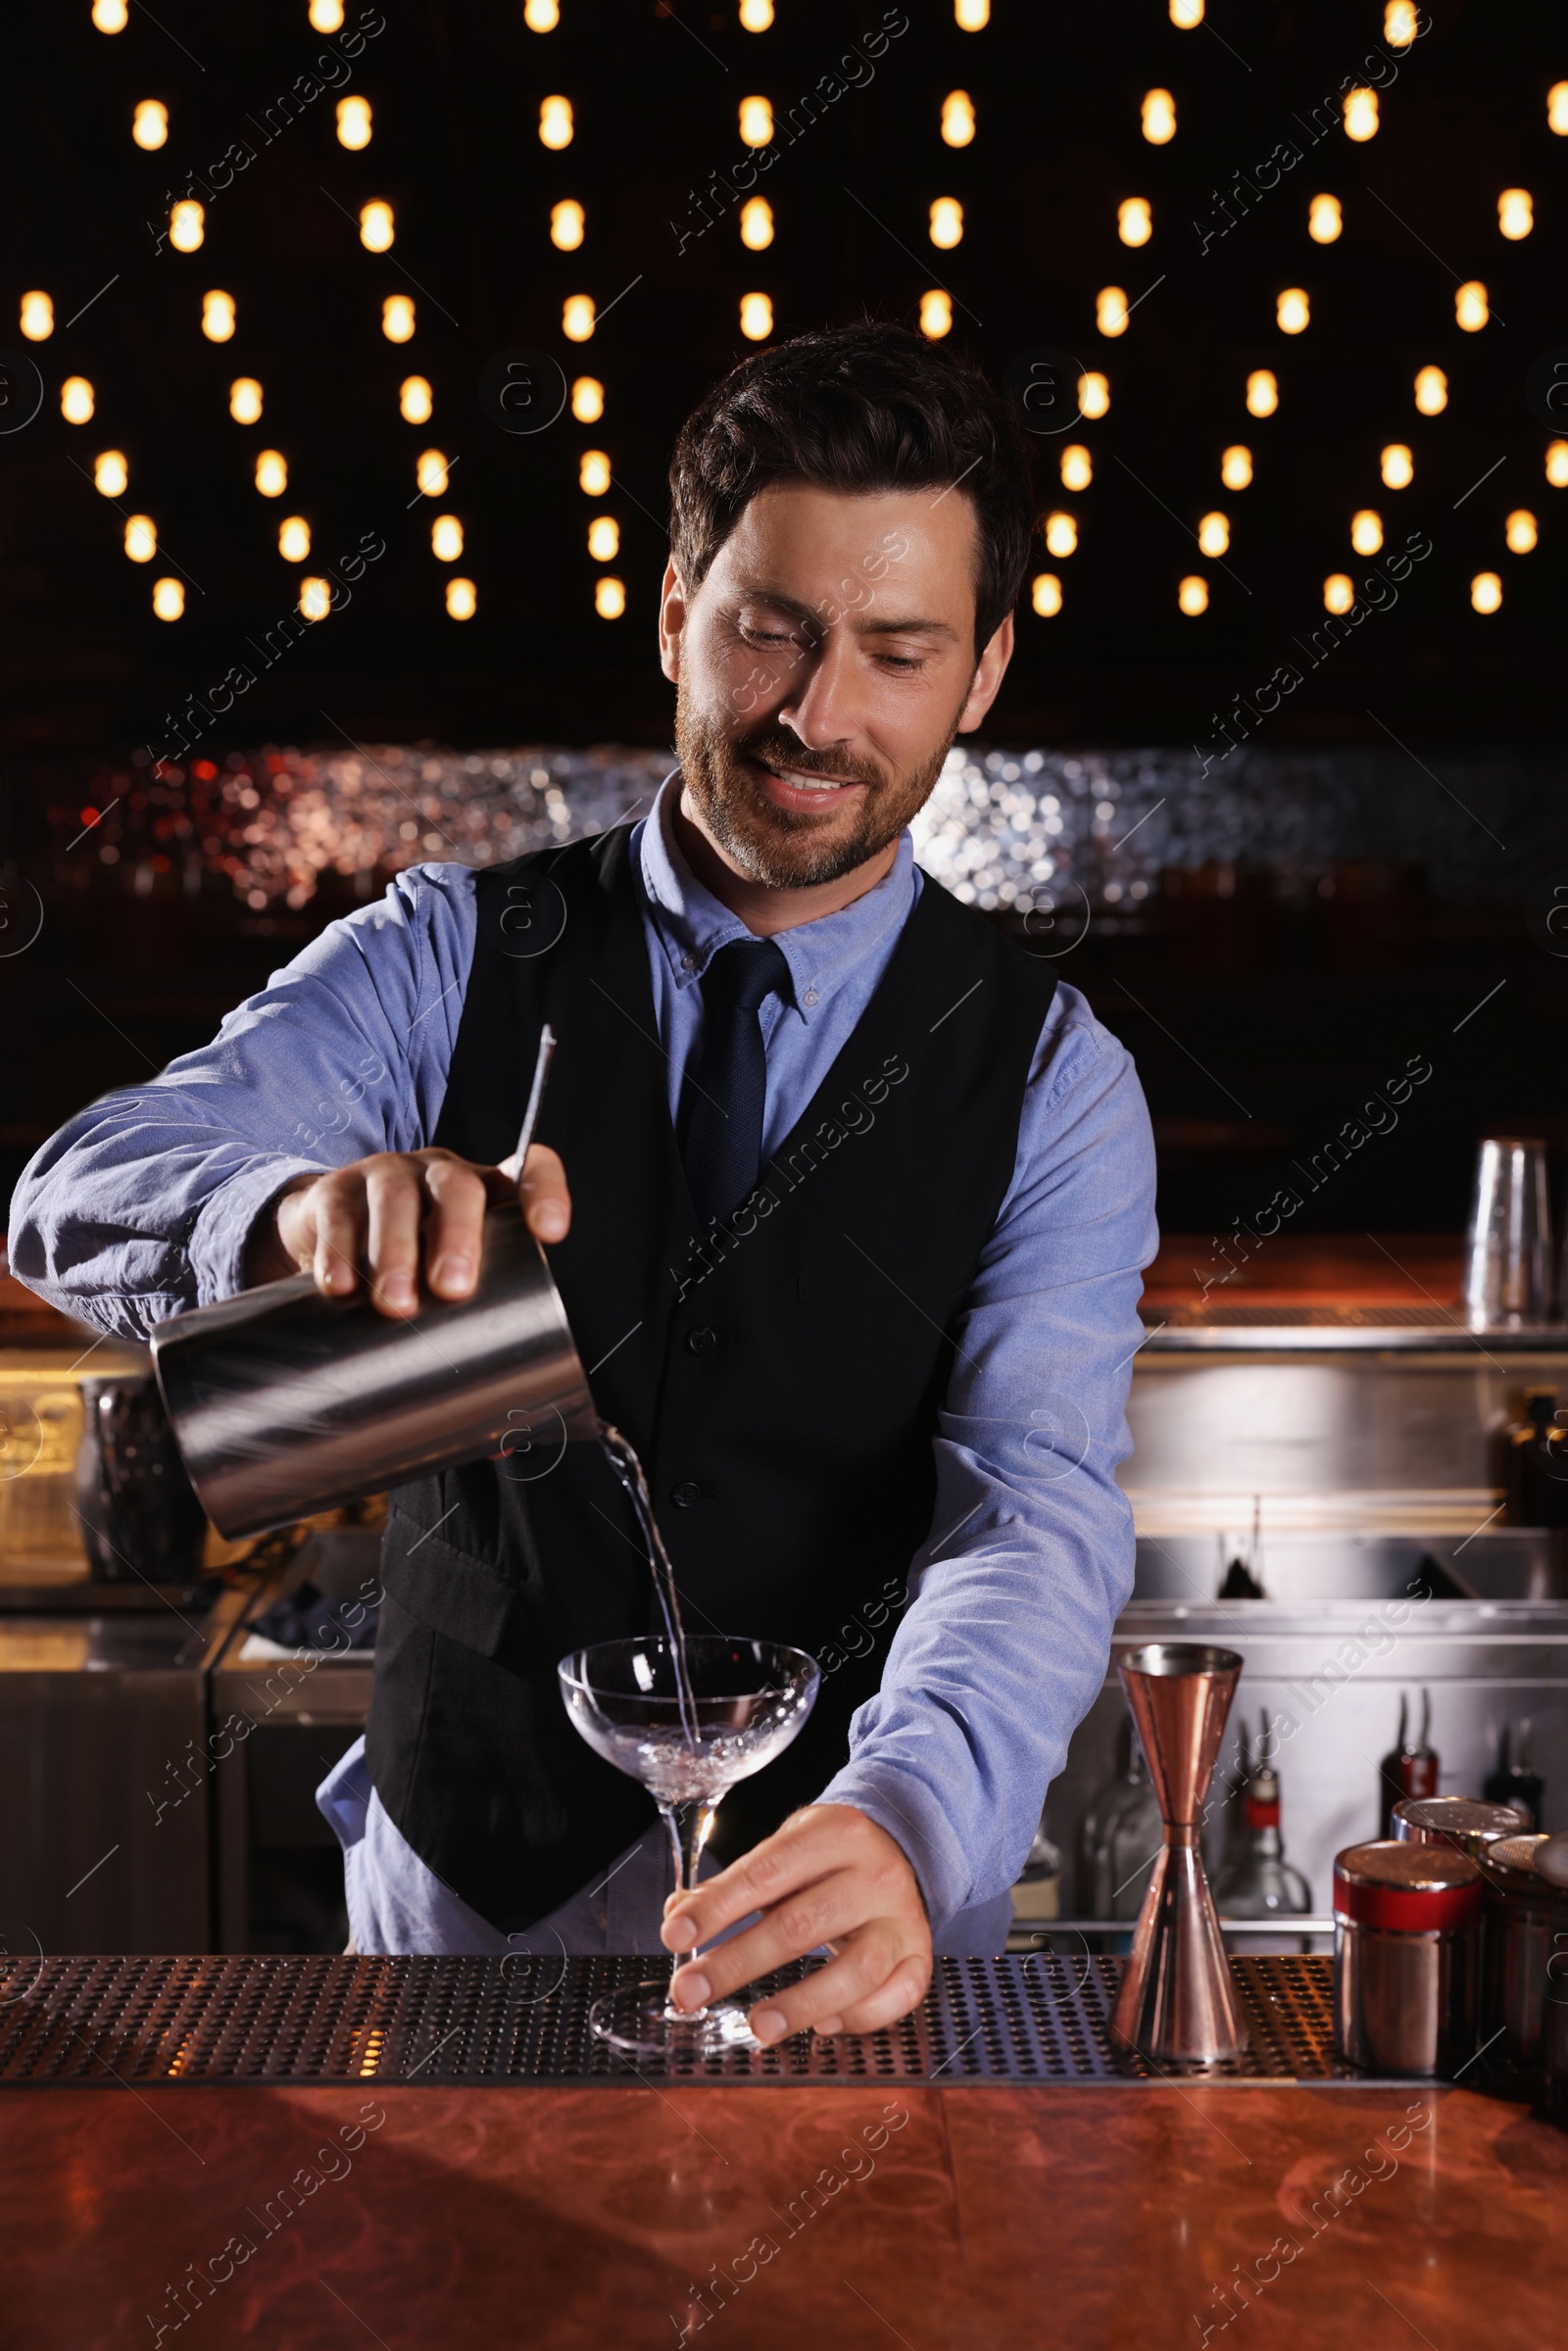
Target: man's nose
(821, 703)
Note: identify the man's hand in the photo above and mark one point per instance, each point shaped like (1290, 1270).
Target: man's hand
(829, 1876)
(382, 1220)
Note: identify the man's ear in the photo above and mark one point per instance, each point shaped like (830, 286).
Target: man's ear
(672, 609)
(990, 670)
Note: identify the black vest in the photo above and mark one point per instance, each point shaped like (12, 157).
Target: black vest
(779, 1378)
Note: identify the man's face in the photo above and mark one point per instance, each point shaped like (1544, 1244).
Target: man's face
(822, 669)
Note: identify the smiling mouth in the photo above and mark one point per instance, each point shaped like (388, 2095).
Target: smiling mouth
(798, 780)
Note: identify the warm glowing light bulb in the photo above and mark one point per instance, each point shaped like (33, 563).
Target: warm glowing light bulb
(149, 125)
(110, 473)
(1366, 532)
(110, 15)
(958, 118)
(1520, 531)
(1324, 219)
(541, 16)
(1236, 468)
(1470, 306)
(936, 315)
(1557, 109)
(756, 318)
(1094, 395)
(186, 225)
(578, 318)
(971, 16)
(415, 400)
(316, 598)
(1134, 223)
(245, 399)
(1293, 310)
(354, 123)
(1339, 592)
(609, 598)
(169, 599)
(755, 14)
(1431, 391)
(1046, 595)
(756, 225)
(1516, 213)
(1557, 464)
(947, 222)
(1360, 115)
(567, 225)
(1191, 595)
(75, 400)
(1111, 309)
(463, 600)
(430, 473)
(757, 121)
(294, 539)
(397, 318)
(141, 538)
(272, 473)
(556, 125)
(1077, 467)
(587, 399)
(593, 473)
(1186, 15)
(38, 316)
(375, 226)
(218, 316)
(1400, 23)
(1061, 535)
(604, 538)
(1213, 535)
(1262, 392)
(1158, 113)
(1397, 466)
(327, 16)
(1485, 591)
(446, 538)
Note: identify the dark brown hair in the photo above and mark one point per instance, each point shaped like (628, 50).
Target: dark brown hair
(859, 409)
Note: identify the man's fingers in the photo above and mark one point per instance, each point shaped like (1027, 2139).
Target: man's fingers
(830, 1908)
(395, 1200)
(457, 1222)
(546, 1202)
(868, 1977)
(903, 1989)
(338, 1212)
(806, 1848)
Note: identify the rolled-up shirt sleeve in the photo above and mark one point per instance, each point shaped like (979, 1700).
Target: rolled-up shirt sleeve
(142, 1205)
(1007, 1634)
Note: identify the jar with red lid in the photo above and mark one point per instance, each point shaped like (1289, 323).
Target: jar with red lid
(1406, 1950)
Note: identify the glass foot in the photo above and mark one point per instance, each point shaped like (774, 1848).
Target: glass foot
(640, 2020)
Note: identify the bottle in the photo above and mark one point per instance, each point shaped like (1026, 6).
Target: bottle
(1408, 1771)
(1038, 1892)
(1258, 1882)
(1515, 1781)
(1517, 1439)
(1122, 1833)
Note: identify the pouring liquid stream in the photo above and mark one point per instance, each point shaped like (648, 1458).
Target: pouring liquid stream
(622, 1459)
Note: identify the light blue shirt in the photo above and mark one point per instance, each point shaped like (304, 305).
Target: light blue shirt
(141, 1205)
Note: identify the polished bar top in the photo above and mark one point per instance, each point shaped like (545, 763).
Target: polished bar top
(442, 2220)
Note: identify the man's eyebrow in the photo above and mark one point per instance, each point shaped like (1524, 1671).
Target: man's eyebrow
(913, 627)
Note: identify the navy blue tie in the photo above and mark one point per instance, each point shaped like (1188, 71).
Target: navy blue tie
(720, 1123)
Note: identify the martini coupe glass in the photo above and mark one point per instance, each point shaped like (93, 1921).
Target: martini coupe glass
(742, 1704)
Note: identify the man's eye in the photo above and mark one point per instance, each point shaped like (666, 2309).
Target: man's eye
(901, 661)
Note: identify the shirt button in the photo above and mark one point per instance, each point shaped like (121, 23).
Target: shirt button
(701, 1341)
(685, 1494)
(809, 998)
(688, 962)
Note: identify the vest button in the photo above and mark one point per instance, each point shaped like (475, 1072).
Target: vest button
(685, 1494)
(701, 1341)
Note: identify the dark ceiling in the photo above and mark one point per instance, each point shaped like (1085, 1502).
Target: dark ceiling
(656, 91)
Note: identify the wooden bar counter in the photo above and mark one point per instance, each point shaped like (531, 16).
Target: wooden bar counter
(864, 2216)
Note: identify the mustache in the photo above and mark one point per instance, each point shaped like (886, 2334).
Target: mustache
(777, 751)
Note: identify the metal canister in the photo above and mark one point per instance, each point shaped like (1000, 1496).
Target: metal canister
(286, 1402)
(1552, 1864)
(1467, 1821)
(1524, 1910)
(1406, 1927)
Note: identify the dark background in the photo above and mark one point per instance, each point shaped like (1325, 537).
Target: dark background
(1242, 979)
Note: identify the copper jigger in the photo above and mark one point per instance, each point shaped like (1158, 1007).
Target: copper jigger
(1177, 2003)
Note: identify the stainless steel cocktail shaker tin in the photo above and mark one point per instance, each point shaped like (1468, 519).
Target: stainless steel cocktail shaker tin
(1406, 1954)
(287, 1402)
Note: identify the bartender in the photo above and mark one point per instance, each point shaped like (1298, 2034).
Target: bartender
(847, 1198)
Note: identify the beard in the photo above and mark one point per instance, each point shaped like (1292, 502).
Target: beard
(791, 848)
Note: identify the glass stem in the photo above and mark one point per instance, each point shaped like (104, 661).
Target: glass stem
(688, 1826)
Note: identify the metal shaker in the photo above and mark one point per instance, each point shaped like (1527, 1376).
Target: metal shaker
(1552, 1864)
(1523, 1912)
(1406, 1927)
(1507, 1273)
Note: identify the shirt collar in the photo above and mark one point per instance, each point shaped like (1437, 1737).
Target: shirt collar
(691, 924)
